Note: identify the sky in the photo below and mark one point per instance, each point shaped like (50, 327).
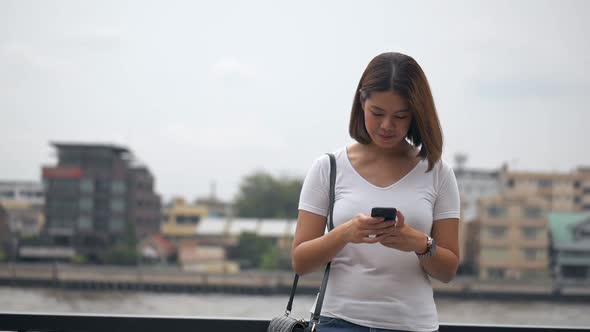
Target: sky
(207, 92)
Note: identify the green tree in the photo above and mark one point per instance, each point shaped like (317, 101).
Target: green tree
(263, 196)
(124, 251)
(250, 250)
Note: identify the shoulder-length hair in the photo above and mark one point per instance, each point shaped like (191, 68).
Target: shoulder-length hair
(401, 74)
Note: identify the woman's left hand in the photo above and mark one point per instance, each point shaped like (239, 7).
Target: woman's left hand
(403, 237)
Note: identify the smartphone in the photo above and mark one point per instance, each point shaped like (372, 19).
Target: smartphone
(388, 213)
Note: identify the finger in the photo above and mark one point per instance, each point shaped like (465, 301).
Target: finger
(371, 240)
(382, 225)
(373, 220)
(400, 220)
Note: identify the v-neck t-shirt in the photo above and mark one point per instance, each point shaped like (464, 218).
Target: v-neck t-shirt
(370, 284)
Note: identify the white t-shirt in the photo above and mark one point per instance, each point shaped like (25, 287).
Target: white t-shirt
(370, 284)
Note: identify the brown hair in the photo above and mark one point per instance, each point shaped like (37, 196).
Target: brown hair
(401, 74)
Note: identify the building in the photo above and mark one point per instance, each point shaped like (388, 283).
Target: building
(180, 220)
(570, 240)
(5, 236)
(22, 191)
(25, 220)
(565, 192)
(96, 197)
(474, 184)
(513, 237)
(215, 207)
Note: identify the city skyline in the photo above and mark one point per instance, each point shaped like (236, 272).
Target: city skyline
(210, 93)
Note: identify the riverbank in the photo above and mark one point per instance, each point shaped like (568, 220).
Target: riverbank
(172, 279)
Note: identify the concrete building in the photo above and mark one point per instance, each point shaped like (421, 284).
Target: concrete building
(473, 185)
(180, 219)
(96, 196)
(5, 236)
(565, 192)
(22, 191)
(570, 239)
(513, 236)
(25, 220)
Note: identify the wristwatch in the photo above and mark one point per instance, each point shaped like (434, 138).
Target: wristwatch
(430, 247)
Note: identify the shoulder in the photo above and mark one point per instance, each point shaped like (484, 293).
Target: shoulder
(443, 167)
(443, 174)
(324, 160)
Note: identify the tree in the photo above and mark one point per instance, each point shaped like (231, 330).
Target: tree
(250, 250)
(263, 196)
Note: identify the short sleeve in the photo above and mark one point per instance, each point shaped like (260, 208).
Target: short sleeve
(447, 204)
(314, 195)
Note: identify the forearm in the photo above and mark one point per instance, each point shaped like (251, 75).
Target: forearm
(311, 255)
(442, 265)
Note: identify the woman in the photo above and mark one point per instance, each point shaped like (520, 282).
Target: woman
(380, 274)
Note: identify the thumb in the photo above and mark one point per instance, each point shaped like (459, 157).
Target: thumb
(400, 220)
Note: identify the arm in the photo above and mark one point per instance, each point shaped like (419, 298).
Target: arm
(445, 261)
(313, 249)
(443, 264)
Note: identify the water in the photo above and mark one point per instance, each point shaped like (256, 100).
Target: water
(262, 306)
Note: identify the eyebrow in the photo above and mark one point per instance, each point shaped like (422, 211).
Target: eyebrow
(382, 110)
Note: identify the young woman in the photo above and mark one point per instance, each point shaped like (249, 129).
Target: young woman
(380, 274)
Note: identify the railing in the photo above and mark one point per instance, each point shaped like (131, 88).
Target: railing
(23, 322)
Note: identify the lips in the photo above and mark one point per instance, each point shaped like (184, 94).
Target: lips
(386, 137)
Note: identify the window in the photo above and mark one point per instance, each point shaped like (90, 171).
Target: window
(510, 183)
(529, 233)
(496, 211)
(6, 194)
(187, 220)
(533, 212)
(117, 205)
(86, 204)
(529, 253)
(117, 225)
(497, 232)
(545, 184)
(496, 273)
(87, 185)
(118, 187)
(84, 223)
(64, 186)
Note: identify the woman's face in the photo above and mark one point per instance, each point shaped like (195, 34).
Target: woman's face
(387, 118)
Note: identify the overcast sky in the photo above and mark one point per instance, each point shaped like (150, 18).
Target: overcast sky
(205, 91)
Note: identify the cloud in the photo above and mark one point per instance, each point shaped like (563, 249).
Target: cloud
(232, 68)
(242, 133)
(526, 87)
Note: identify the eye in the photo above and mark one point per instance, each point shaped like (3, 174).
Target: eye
(401, 117)
(376, 114)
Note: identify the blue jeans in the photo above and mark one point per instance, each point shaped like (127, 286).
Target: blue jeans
(329, 324)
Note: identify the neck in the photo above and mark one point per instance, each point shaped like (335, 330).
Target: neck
(401, 150)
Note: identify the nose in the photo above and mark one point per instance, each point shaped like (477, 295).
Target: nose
(388, 123)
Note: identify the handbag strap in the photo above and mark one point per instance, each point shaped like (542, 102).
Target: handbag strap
(318, 307)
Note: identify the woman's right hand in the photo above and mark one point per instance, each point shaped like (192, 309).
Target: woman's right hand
(359, 229)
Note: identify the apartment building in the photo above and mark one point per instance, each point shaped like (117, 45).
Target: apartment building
(565, 192)
(513, 237)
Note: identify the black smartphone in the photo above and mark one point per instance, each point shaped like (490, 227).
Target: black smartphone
(388, 213)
